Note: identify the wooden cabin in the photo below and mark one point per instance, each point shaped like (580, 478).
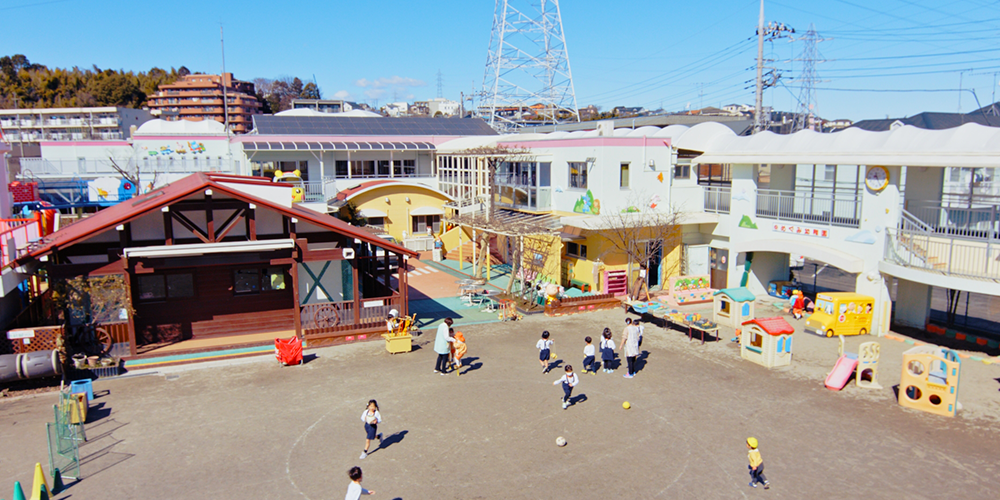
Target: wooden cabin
(215, 261)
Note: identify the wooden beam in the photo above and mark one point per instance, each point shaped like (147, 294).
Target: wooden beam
(168, 227)
(132, 347)
(190, 226)
(229, 224)
(354, 284)
(199, 205)
(209, 216)
(294, 271)
(252, 222)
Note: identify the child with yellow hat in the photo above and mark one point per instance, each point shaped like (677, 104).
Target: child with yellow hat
(756, 464)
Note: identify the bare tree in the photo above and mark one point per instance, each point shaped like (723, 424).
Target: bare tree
(639, 232)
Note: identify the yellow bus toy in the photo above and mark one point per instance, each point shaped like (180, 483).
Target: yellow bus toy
(841, 313)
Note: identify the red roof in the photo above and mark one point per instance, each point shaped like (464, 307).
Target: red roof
(130, 210)
(347, 193)
(773, 326)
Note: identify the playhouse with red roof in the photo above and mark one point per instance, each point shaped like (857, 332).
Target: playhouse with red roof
(767, 342)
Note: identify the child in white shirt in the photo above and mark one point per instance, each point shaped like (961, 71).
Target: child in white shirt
(354, 490)
(589, 366)
(607, 351)
(569, 381)
(371, 417)
(544, 345)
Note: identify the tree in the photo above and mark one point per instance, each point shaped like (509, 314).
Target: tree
(117, 89)
(351, 215)
(639, 232)
(295, 88)
(310, 91)
(183, 71)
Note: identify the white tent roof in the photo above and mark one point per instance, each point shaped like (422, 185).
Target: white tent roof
(181, 127)
(354, 113)
(970, 145)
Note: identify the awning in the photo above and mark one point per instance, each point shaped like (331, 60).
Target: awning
(337, 146)
(209, 248)
(372, 212)
(571, 237)
(427, 211)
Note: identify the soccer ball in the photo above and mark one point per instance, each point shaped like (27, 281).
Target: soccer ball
(560, 441)
(626, 405)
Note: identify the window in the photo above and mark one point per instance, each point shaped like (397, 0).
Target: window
(247, 281)
(756, 339)
(341, 168)
(422, 222)
(576, 250)
(623, 181)
(725, 308)
(578, 175)
(682, 171)
(383, 168)
(409, 167)
(376, 222)
(155, 287)
(274, 279)
(180, 286)
(714, 174)
(152, 287)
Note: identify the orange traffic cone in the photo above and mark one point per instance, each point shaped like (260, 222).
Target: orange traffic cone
(40, 490)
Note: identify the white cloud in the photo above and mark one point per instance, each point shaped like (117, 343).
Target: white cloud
(384, 87)
(342, 94)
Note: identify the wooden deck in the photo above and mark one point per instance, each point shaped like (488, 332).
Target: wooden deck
(213, 343)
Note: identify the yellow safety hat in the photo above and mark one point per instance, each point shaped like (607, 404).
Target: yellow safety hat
(752, 441)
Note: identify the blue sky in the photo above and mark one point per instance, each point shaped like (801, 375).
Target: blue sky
(637, 53)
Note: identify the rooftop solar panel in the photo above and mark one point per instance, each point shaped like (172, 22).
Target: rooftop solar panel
(320, 125)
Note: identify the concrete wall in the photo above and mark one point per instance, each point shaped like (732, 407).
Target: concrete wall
(913, 303)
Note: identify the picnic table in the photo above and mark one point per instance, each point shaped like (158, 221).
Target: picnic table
(704, 326)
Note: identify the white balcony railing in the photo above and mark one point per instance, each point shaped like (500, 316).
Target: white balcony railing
(959, 220)
(40, 167)
(833, 209)
(717, 199)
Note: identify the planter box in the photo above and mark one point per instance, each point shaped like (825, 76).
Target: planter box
(398, 343)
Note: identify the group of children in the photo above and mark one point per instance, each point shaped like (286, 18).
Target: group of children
(632, 339)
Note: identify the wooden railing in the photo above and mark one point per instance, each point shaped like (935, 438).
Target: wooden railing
(333, 317)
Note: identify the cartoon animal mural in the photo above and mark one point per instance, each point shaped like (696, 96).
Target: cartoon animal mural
(587, 204)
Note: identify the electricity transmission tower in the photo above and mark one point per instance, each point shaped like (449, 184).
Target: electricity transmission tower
(806, 114)
(527, 65)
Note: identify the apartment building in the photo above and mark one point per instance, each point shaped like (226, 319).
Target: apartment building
(326, 105)
(33, 126)
(199, 97)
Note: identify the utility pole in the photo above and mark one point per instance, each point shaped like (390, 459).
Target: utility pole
(759, 100)
(225, 98)
(771, 31)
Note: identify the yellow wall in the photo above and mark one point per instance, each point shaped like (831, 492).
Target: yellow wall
(612, 259)
(397, 210)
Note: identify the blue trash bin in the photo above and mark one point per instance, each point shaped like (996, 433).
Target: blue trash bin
(82, 386)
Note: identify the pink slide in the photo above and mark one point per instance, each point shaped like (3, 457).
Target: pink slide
(841, 373)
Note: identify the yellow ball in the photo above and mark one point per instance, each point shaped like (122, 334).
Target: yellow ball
(626, 405)
(552, 356)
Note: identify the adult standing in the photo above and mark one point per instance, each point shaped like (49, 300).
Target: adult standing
(441, 346)
(630, 346)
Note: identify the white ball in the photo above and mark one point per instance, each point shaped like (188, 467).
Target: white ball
(560, 441)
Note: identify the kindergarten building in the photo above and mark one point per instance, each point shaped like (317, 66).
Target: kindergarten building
(907, 208)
